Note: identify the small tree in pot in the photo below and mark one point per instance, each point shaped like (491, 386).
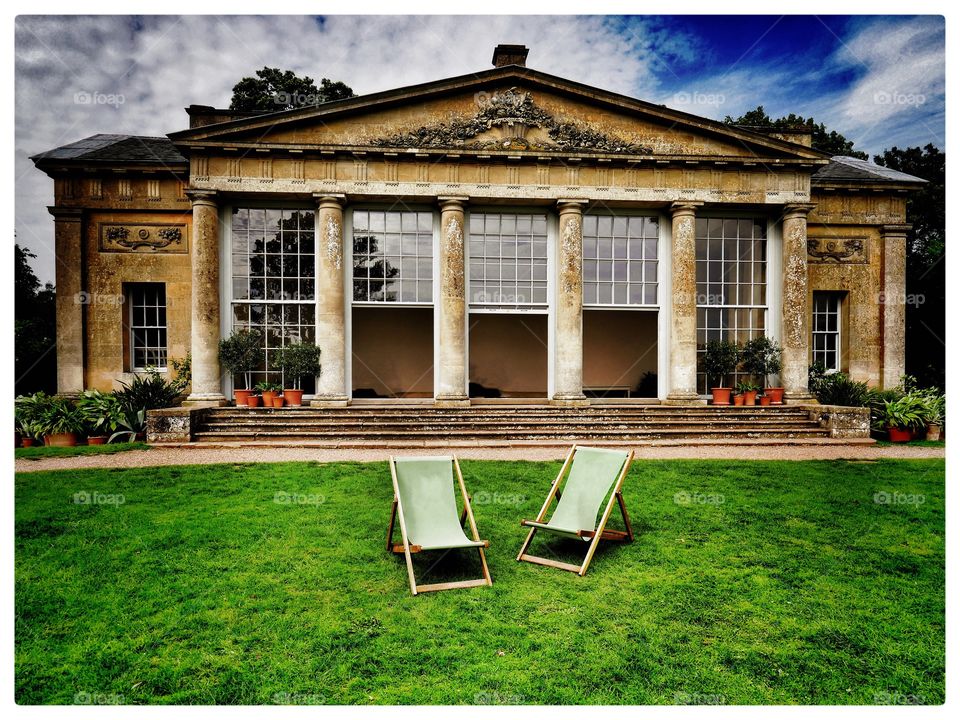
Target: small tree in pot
(239, 353)
(761, 358)
(297, 360)
(717, 361)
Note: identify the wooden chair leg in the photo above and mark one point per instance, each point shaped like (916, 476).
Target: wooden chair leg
(393, 517)
(626, 517)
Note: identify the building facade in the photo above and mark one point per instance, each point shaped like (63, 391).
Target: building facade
(503, 234)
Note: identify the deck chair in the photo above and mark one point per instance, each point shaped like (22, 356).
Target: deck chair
(591, 474)
(426, 506)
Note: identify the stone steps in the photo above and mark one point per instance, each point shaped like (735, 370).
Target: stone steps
(416, 424)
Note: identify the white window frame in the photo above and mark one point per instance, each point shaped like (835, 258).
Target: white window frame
(657, 281)
(835, 308)
(162, 291)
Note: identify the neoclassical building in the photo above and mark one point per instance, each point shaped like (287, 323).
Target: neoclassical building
(506, 233)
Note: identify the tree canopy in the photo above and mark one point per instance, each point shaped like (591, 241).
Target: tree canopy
(273, 90)
(829, 141)
(35, 328)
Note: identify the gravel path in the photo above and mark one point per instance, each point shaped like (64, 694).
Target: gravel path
(208, 456)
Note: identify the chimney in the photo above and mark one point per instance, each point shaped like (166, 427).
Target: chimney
(510, 55)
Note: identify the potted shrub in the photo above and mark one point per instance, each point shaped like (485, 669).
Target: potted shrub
(132, 424)
(297, 360)
(899, 417)
(761, 358)
(29, 411)
(933, 411)
(101, 414)
(718, 360)
(239, 354)
(738, 399)
(253, 399)
(749, 392)
(62, 423)
(268, 392)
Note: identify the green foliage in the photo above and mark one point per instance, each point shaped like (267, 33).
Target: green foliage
(839, 389)
(132, 422)
(799, 588)
(719, 360)
(745, 387)
(907, 412)
(273, 90)
(61, 416)
(299, 360)
(147, 391)
(102, 412)
(29, 411)
(829, 141)
(761, 358)
(267, 386)
(182, 373)
(35, 328)
(240, 352)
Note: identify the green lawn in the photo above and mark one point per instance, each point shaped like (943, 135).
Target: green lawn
(775, 582)
(42, 451)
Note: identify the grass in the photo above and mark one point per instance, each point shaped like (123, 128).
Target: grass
(778, 582)
(39, 452)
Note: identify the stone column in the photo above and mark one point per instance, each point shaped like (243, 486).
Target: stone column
(568, 320)
(206, 381)
(794, 305)
(683, 323)
(68, 242)
(331, 303)
(451, 307)
(893, 307)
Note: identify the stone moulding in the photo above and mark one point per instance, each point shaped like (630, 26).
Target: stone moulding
(143, 237)
(511, 114)
(849, 250)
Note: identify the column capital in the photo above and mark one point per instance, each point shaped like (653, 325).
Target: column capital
(330, 199)
(889, 230)
(571, 205)
(797, 209)
(202, 197)
(65, 214)
(453, 202)
(685, 207)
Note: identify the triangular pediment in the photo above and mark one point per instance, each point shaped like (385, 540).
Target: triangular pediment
(511, 109)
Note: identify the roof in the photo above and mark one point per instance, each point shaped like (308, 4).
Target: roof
(107, 149)
(845, 169)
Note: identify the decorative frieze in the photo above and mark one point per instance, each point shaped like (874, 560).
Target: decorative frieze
(839, 250)
(143, 237)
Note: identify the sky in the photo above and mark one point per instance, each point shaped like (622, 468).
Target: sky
(879, 80)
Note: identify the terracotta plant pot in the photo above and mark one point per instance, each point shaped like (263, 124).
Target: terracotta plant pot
(933, 432)
(241, 397)
(765, 400)
(776, 395)
(268, 396)
(721, 396)
(899, 435)
(750, 397)
(97, 440)
(253, 401)
(62, 439)
(738, 399)
(27, 442)
(294, 397)
(278, 401)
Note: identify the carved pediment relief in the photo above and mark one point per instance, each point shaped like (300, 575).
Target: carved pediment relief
(143, 237)
(511, 120)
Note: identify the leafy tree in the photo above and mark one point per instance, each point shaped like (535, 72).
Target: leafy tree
(35, 328)
(273, 90)
(827, 141)
(926, 260)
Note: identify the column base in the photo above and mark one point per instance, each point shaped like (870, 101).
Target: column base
(205, 400)
(570, 400)
(800, 399)
(451, 401)
(330, 401)
(683, 397)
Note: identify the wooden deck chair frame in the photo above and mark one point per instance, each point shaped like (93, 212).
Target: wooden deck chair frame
(595, 535)
(408, 550)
